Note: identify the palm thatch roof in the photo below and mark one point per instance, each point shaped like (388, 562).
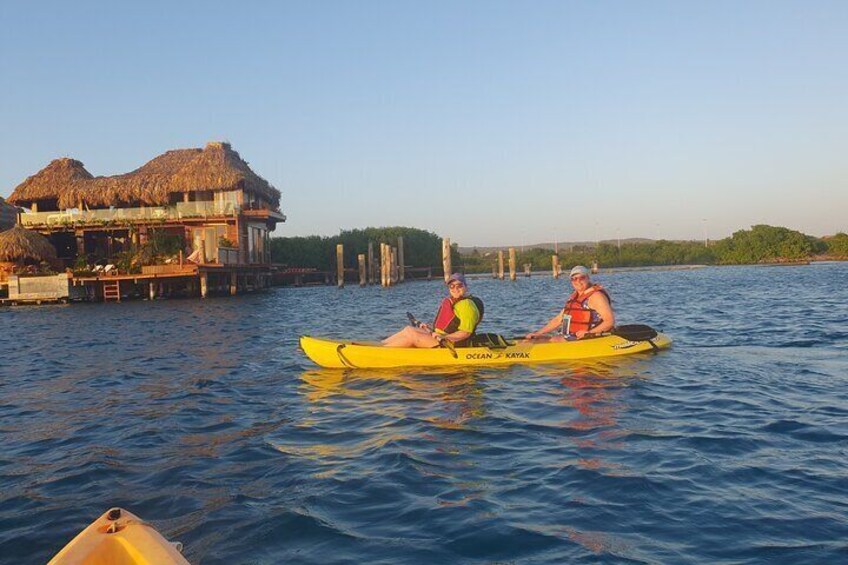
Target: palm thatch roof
(47, 183)
(216, 167)
(19, 244)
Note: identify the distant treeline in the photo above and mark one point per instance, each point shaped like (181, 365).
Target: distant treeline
(760, 244)
(420, 248)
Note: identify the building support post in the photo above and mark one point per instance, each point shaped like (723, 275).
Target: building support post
(204, 285)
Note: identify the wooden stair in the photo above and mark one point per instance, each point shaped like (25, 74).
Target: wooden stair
(111, 291)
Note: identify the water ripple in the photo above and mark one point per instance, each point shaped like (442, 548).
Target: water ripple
(202, 417)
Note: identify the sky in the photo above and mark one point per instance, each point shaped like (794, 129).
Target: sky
(488, 122)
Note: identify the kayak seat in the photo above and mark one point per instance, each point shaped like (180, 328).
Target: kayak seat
(490, 340)
(635, 332)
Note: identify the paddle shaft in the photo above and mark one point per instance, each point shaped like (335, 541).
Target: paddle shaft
(634, 332)
(443, 342)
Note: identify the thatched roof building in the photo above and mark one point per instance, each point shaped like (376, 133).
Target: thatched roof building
(22, 245)
(217, 167)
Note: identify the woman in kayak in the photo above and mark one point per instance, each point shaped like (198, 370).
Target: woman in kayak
(587, 310)
(457, 318)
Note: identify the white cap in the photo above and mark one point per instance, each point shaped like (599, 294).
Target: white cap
(579, 270)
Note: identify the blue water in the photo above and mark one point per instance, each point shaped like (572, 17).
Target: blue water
(203, 418)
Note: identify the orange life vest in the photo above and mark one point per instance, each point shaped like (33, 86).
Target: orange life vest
(580, 316)
(447, 320)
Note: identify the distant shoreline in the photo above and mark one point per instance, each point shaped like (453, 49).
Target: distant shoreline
(605, 270)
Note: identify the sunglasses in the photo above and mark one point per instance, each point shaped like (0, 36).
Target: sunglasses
(456, 285)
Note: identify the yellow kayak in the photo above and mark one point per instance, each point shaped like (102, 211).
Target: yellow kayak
(354, 355)
(119, 537)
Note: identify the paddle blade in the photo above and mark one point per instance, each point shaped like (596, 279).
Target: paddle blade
(412, 321)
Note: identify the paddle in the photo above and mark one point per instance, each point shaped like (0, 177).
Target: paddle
(630, 332)
(415, 323)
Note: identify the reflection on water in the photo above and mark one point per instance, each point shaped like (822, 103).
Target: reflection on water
(204, 418)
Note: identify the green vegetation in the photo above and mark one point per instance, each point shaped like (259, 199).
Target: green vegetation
(421, 248)
(763, 244)
(760, 244)
(837, 246)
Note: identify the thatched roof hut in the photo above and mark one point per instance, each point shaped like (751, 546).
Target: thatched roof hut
(48, 183)
(22, 245)
(217, 167)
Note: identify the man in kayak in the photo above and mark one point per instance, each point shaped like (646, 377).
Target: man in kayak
(458, 316)
(587, 310)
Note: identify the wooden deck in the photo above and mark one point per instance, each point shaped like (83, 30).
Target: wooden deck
(187, 279)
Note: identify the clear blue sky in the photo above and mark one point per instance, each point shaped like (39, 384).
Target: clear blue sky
(492, 123)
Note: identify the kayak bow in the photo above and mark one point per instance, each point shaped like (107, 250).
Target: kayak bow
(355, 355)
(120, 537)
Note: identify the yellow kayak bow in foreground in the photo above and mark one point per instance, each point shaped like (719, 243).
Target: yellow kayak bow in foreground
(353, 355)
(119, 537)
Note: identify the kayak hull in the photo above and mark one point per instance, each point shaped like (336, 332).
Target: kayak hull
(352, 355)
(126, 540)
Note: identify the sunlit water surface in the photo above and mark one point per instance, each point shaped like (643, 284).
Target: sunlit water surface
(204, 418)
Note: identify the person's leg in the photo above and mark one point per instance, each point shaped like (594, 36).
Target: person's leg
(411, 337)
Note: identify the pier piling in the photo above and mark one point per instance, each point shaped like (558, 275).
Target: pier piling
(500, 264)
(372, 270)
(401, 273)
(446, 258)
(340, 265)
(363, 276)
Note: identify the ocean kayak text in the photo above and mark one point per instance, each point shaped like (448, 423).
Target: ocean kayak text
(512, 355)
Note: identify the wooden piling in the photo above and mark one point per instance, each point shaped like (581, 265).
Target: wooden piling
(401, 273)
(233, 283)
(340, 265)
(500, 264)
(393, 272)
(527, 267)
(446, 258)
(512, 263)
(384, 267)
(204, 285)
(372, 270)
(555, 265)
(363, 275)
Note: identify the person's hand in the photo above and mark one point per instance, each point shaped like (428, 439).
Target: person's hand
(531, 335)
(580, 333)
(425, 326)
(437, 336)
